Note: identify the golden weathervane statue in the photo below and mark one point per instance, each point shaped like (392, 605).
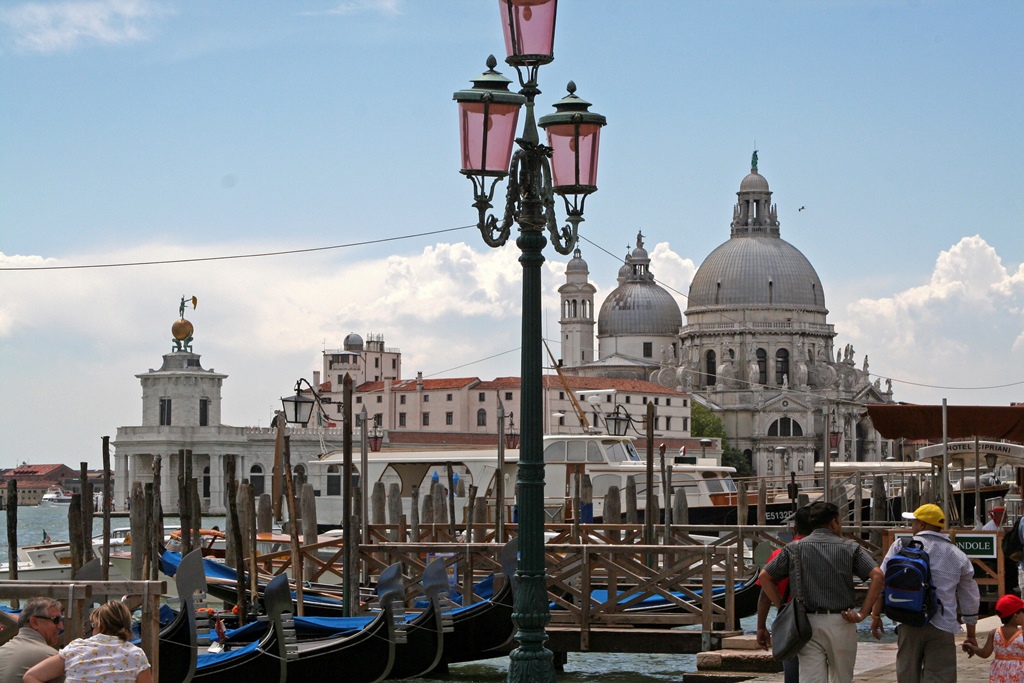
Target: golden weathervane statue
(182, 329)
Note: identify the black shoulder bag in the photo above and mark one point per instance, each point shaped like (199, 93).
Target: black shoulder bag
(791, 629)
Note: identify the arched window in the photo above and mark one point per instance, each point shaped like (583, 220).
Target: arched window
(481, 418)
(298, 477)
(781, 365)
(710, 369)
(586, 309)
(785, 426)
(206, 482)
(573, 309)
(333, 480)
(762, 366)
(256, 479)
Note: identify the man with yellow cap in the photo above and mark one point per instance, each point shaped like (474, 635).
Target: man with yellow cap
(927, 654)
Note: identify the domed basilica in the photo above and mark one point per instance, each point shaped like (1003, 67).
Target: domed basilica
(756, 348)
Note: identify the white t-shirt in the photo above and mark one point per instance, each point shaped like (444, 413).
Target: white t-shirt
(102, 659)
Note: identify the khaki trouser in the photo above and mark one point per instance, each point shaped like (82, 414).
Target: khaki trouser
(925, 655)
(832, 650)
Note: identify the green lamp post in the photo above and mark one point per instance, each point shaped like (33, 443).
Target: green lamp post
(566, 166)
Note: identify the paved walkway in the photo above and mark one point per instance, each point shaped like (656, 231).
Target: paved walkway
(876, 662)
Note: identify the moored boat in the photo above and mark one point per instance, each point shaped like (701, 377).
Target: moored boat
(54, 496)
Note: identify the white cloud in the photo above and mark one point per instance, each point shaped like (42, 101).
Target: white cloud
(964, 328)
(74, 339)
(62, 26)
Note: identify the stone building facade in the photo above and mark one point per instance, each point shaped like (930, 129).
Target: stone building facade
(756, 348)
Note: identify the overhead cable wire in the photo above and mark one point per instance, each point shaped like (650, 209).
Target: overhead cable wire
(237, 256)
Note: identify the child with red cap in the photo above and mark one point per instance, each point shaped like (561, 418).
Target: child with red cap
(1007, 641)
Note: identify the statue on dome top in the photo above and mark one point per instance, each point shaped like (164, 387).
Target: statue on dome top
(639, 239)
(753, 162)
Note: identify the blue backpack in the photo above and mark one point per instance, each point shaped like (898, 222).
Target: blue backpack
(908, 593)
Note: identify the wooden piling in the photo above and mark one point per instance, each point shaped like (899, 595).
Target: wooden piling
(742, 504)
(613, 510)
(878, 512)
(681, 507)
(308, 526)
(108, 498)
(631, 512)
(762, 502)
(233, 539)
(149, 526)
(137, 521)
(12, 531)
(394, 506)
(414, 510)
(184, 509)
(249, 503)
(427, 516)
(87, 513)
(378, 503)
(157, 512)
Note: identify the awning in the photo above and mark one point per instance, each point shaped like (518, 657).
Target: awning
(895, 421)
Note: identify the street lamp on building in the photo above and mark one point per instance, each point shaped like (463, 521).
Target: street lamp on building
(566, 166)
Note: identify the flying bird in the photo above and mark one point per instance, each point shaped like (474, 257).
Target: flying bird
(801, 208)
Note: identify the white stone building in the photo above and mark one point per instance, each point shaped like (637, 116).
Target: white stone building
(756, 348)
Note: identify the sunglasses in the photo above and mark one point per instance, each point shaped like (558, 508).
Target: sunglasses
(55, 620)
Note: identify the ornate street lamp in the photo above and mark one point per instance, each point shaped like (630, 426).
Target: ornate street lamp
(376, 436)
(566, 166)
(511, 434)
(300, 407)
(617, 423)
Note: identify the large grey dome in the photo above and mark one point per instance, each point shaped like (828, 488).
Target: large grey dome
(756, 267)
(756, 270)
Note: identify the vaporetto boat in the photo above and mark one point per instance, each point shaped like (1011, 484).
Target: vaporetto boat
(608, 461)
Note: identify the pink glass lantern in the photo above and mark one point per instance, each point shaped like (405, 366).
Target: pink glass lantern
(529, 27)
(574, 135)
(488, 116)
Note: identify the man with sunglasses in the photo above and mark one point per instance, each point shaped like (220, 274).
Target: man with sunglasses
(39, 627)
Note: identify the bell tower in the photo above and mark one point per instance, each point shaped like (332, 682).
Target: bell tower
(577, 319)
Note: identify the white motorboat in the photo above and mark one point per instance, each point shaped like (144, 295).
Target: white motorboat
(54, 496)
(46, 562)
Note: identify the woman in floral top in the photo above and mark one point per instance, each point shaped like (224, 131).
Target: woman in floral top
(107, 657)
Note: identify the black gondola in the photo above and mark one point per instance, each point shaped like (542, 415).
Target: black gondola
(484, 629)
(425, 634)
(263, 661)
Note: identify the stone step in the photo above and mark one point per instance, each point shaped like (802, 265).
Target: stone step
(757, 661)
(717, 676)
(747, 641)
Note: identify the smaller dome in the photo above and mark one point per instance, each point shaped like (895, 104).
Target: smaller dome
(353, 342)
(754, 182)
(577, 264)
(625, 270)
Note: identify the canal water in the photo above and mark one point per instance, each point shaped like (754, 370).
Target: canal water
(581, 668)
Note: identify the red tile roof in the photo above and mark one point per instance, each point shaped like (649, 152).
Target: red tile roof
(584, 383)
(428, 384)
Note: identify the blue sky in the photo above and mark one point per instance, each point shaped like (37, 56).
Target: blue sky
(137, 130)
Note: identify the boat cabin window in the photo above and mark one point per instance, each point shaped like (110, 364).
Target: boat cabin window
(619, 451)
(576, 451)
(717, 483)
(555, 452)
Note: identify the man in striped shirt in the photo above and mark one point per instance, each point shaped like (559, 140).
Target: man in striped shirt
(828, 563)
(928, 653)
